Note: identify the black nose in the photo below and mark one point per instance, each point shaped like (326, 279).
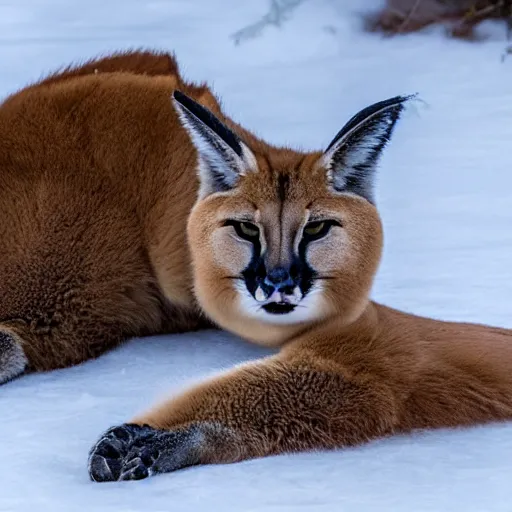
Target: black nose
(279, 278)
(278, 275)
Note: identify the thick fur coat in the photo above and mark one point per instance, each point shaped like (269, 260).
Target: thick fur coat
(131, 205)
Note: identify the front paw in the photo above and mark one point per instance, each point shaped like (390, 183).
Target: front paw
(112, 456)
(134, 452)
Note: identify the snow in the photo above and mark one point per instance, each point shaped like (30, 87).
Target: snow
(446, 201)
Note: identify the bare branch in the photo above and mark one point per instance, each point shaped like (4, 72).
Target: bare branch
(279, 12)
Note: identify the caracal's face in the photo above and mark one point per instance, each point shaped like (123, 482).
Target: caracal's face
(282, 250)
(281, 239)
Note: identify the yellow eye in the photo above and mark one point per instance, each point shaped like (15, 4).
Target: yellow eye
(246, 230)
(314, 228)
(249, 230)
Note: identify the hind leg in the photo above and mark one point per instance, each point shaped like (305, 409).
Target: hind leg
(53, 316)
(58, 340)
(32, 346)
(50, 321)
(52, 327)
(75, 279)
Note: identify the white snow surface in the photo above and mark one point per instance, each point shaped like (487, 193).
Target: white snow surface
(445, 195)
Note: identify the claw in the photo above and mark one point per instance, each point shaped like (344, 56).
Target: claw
(101, 470)
(134, 452)
(134, 470)
(113, 456)
(109, 448)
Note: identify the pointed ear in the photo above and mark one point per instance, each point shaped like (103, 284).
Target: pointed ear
(223, 157)
(351, 158)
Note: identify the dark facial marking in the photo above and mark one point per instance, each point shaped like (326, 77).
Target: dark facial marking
(255, 271)
(283, 183)
(284, 280)
(298, 273)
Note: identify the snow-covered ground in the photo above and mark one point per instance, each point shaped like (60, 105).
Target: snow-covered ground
(445, 194)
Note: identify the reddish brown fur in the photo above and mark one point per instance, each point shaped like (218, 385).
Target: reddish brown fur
(97, 179)
(96, 182)
(338, 385)
(359, 371)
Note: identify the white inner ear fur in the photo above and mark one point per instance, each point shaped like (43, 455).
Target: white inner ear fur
(359, 153)
(248, 159)
(215, 157)
(227, 163)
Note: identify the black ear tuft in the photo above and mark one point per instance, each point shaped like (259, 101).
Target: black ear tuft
(222, 156)
(352, 157)
(395, 105)
(205, 116)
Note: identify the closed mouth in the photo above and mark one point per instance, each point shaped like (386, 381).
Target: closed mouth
(278, 308)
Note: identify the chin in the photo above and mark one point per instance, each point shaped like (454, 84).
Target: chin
(307, 310)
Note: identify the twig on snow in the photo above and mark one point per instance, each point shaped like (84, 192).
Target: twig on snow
(279, 11)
